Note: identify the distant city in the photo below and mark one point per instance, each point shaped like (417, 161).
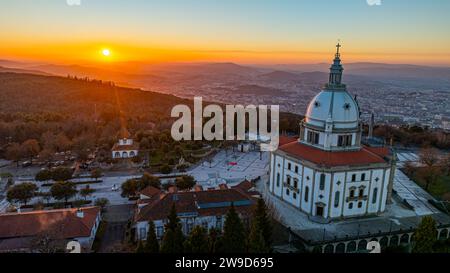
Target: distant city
(396, 94)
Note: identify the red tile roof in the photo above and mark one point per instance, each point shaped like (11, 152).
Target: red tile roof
(150, 191)
(61, 223)
(118, 147)
(190, 202)
(363, 156)
(244, 185)
(285, 140)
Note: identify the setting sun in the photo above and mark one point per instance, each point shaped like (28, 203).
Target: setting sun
(106, 52)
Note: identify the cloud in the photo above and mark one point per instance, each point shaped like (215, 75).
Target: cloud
(374, 2)
(73, 2)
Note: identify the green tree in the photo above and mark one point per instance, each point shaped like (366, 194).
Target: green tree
(152, 244)
(43, 175)
(149, 180)
(214, 240)
(165, 169)
(256, 242)
(62, 174)
(102, 202)
(30, 148)
(86, 191)
(129, 187)
(233, 240)
(261, 224)
(173, 239)
(425, 236)
(185, 182)
(96, 173)
(140, 247)
(21, 193)
(197, 242)
(14, 153)
(63, 190)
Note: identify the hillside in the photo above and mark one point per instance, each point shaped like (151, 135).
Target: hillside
(32, 94)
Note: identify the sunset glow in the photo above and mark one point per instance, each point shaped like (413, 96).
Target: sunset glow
(106, 52)
(231, 31)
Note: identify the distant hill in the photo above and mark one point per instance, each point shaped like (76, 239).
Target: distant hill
(22, 71)
(27, 93)
(279, 75)
(119, 77)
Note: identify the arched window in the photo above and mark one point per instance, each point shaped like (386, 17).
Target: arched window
(124, 154)
(288, 180)
(336, 199)
(306, 193)
(350, 205)
(375, 194)
(352, 193)
(296, 183)
(116, 154)
(132, 154)
(278, 179)
(361, 192)
(322, 182)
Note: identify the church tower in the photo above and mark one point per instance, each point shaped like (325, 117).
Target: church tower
(332, 120)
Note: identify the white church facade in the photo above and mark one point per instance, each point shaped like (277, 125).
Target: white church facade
(328, 173)
(125, 147)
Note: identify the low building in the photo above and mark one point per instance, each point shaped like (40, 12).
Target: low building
(126, 147)
(29, 231)
(207, 208)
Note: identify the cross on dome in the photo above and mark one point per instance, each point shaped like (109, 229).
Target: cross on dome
(338, 46)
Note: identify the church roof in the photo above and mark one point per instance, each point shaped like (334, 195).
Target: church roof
(364, 156)
(334, 105)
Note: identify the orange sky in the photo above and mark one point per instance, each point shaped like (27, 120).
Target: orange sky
(283, 31)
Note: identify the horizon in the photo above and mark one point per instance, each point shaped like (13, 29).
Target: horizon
(242, 32)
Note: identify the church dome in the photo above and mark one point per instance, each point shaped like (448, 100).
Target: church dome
(337, 107)
(334, 105)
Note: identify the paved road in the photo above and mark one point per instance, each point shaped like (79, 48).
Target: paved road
(116, 218)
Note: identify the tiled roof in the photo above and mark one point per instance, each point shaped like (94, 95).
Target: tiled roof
(283, 140)
(203, 203)
(150, 191)
(117, 147)
(61, 223)
(244, 185)
(317, 156)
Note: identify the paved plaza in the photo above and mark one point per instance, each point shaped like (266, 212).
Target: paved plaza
(231, 168)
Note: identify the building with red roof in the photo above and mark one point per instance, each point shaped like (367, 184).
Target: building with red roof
(126, 147)
(198, 207)
(22, 231)
(327, 173)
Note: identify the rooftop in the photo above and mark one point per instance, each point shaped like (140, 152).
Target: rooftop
(199, 203)
(366, 155)
(62, 223)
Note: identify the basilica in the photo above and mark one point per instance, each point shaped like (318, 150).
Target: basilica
(329, 172)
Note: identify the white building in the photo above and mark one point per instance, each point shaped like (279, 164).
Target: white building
(125, 147)
(327, 173)
(20, 232)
